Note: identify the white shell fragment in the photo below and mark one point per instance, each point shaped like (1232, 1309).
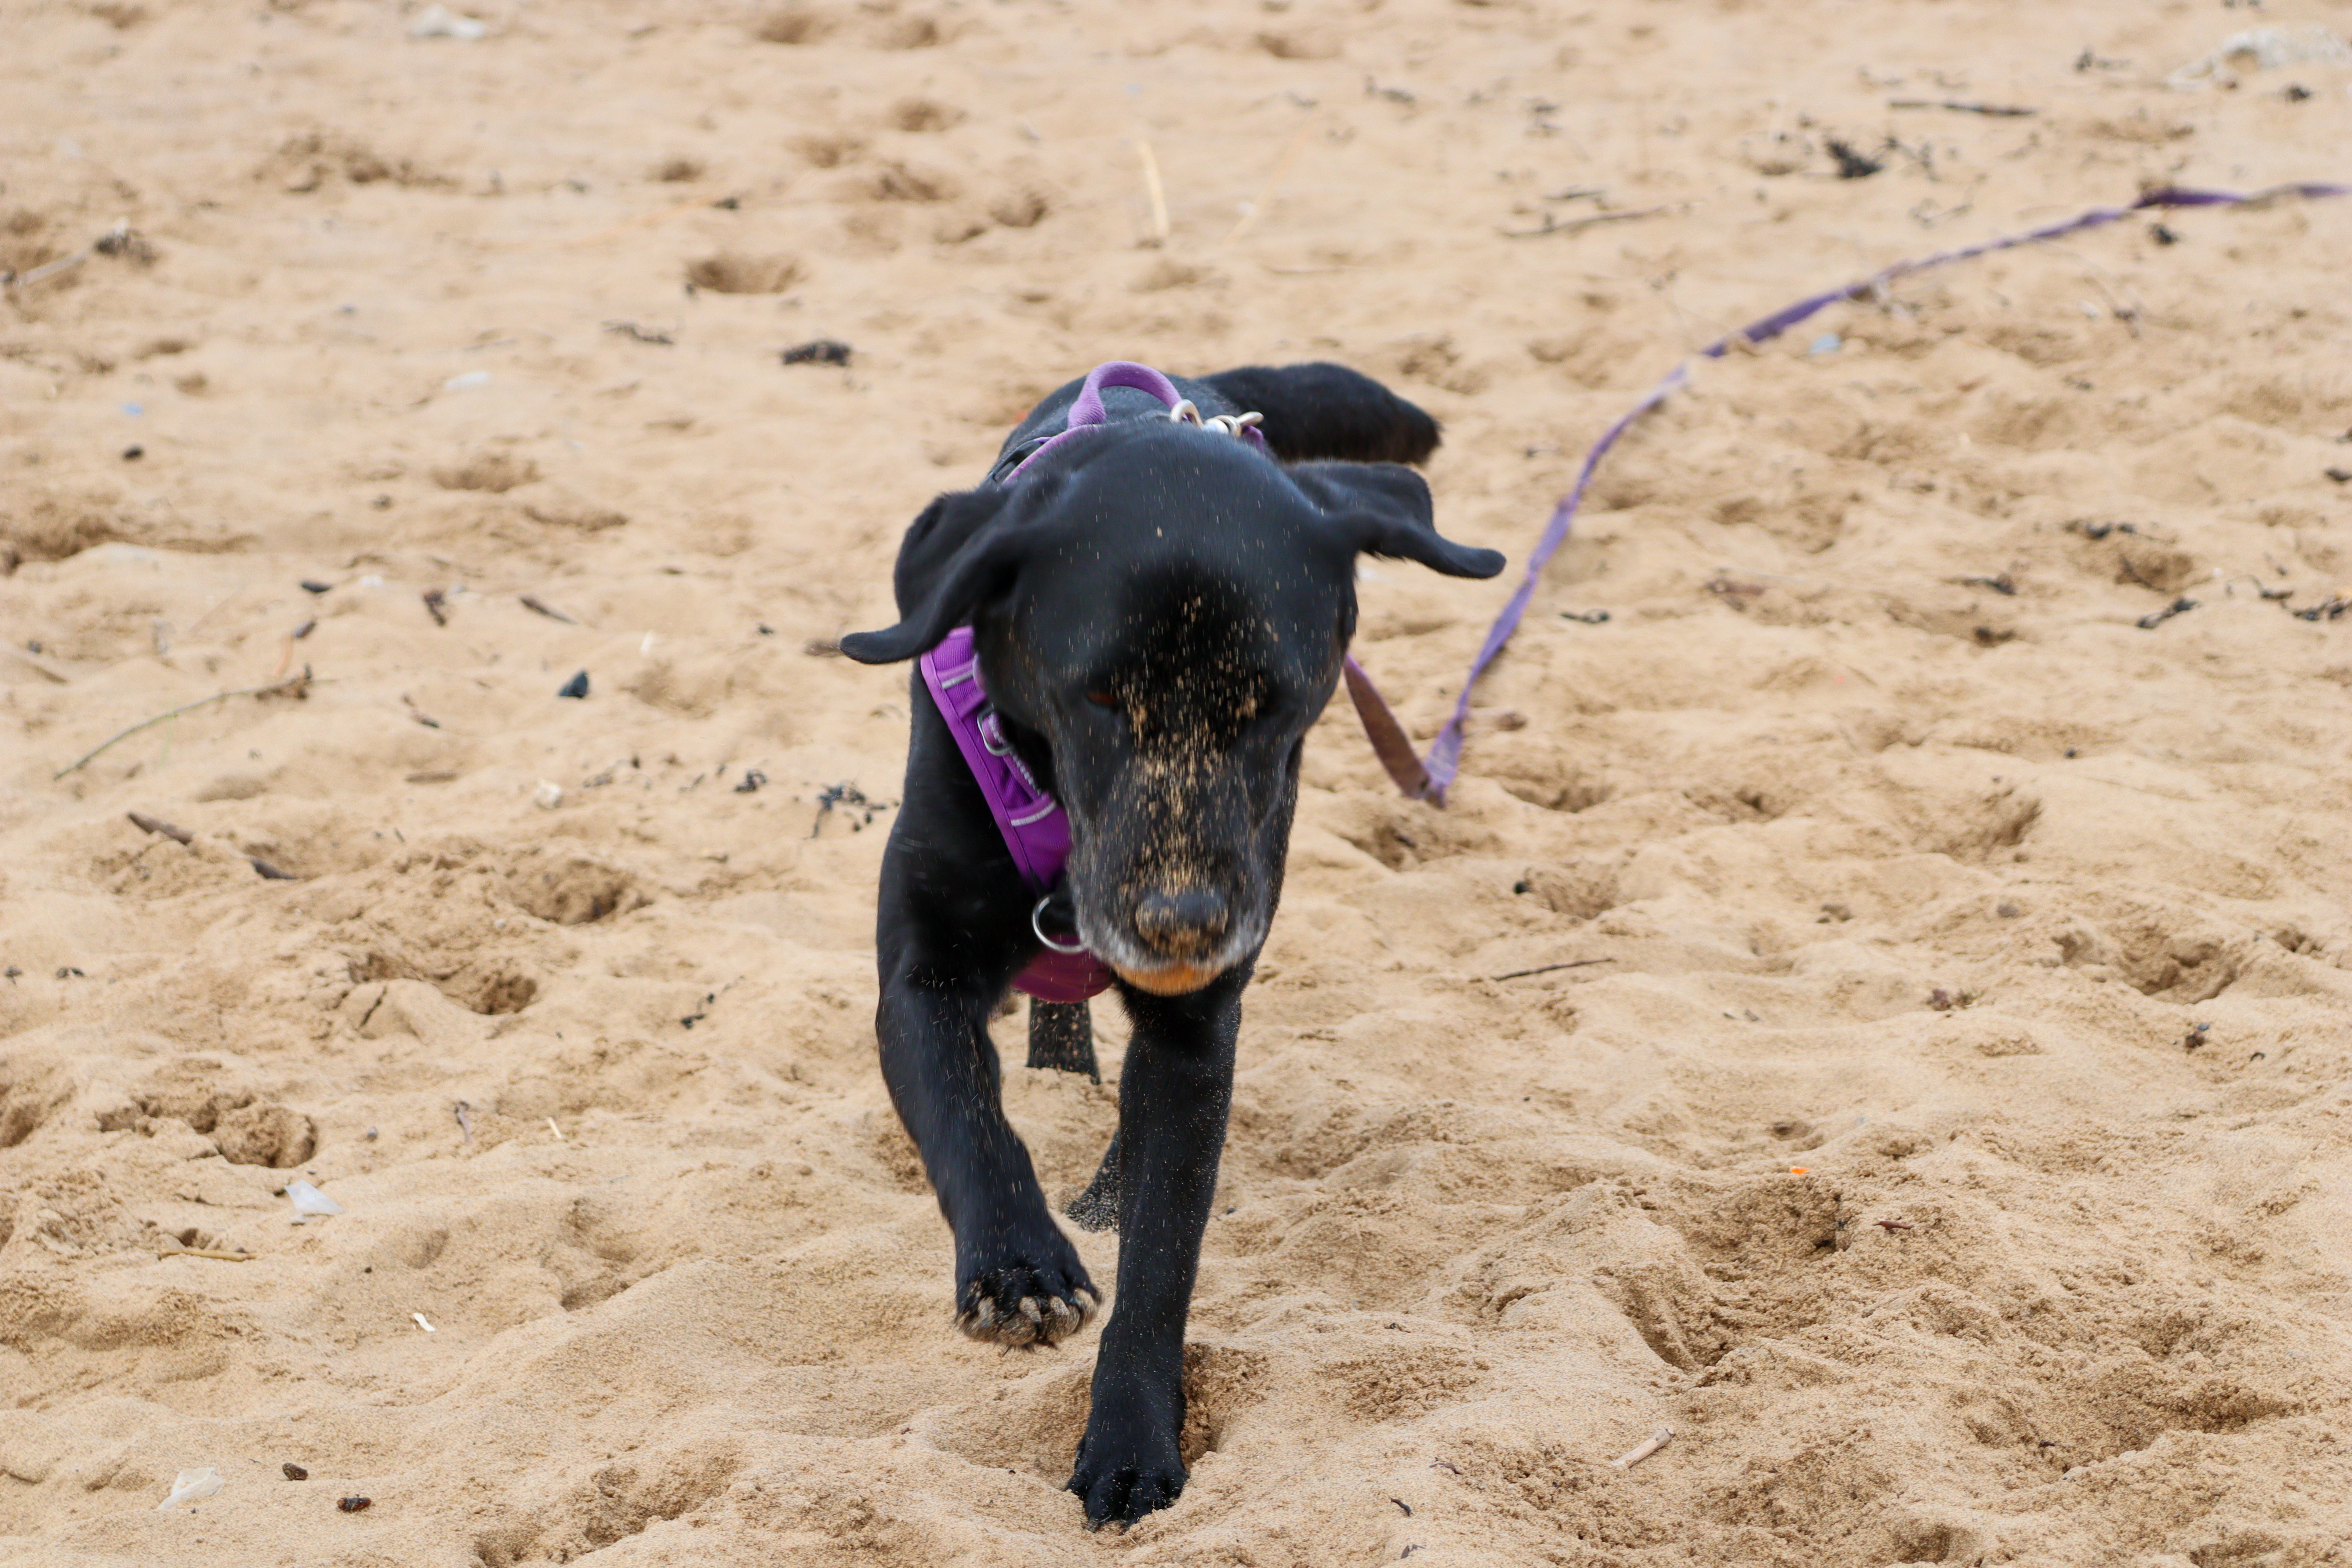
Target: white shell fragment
(310, 1203)
(190, 1485)
(2260, 50)
(438, 22)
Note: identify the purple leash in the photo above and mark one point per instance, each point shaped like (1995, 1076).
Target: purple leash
(1035, 827)
(1437, 770)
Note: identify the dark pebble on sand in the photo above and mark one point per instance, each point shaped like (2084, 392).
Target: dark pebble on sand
(575, 687)
(818, 351)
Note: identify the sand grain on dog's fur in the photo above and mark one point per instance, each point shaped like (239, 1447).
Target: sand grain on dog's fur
(1954, 1147)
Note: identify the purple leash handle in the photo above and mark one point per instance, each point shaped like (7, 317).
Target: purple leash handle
(1089, 408)
(1445, 759)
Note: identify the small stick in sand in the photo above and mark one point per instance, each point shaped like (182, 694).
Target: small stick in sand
(552, 1127)
(421, 1322)
(1644, 1449)
(46, 270)
(157, 825)
(1571, 225)
(1154, 189)
(294, 685)
(436, 603)
(45, 671)
(206, 1252)
(465, 1120)
(1548, 968)
(641, 334)
(181, 835)
(529, 603)
(1957, 106)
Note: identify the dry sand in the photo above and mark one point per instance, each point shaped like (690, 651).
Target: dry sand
(1952, 1143)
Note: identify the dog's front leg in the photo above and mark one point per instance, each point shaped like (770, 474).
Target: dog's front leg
(1173, 1095)
(1018, 1279)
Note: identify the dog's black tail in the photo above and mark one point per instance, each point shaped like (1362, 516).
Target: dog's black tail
(1328, 411)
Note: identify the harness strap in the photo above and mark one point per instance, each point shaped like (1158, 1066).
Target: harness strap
(1037, 830)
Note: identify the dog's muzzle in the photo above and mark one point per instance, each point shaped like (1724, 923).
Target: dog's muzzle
(1188, 926)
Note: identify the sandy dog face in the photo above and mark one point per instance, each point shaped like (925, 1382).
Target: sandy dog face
(1176, 756)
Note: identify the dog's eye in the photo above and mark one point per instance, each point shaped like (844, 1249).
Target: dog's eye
(1102, 699)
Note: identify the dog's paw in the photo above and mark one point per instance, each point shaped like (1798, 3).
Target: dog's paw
(1028, 1301)
(1121, 1480)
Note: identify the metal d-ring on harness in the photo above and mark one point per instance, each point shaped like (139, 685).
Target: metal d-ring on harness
(1037, 924)
(1186, 413)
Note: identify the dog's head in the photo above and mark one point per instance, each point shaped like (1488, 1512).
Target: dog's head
(1160, 614)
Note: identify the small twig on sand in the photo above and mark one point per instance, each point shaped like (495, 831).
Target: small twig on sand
(207, 1252)
(295, 686)
(119, 240)
(181, 835)
(40, 667)
(1548, 968)
(529, 603)
(465, 1120)
(1569, 225)
(641, 334)
(46, 270)
(1152, 188)
(1644, 1449)
(1959, 106)
(157, 825)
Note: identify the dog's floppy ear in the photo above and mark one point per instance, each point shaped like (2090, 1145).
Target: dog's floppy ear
(1383, 509)
(953, 557)
(1328, 411)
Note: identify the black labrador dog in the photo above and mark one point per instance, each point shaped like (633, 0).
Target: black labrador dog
(1159, 609)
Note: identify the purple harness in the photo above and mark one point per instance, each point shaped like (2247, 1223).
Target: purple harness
(1034, 826)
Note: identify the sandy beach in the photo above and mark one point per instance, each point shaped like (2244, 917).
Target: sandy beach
(1876, 1002)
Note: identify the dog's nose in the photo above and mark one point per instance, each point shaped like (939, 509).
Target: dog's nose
(1183, 923)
